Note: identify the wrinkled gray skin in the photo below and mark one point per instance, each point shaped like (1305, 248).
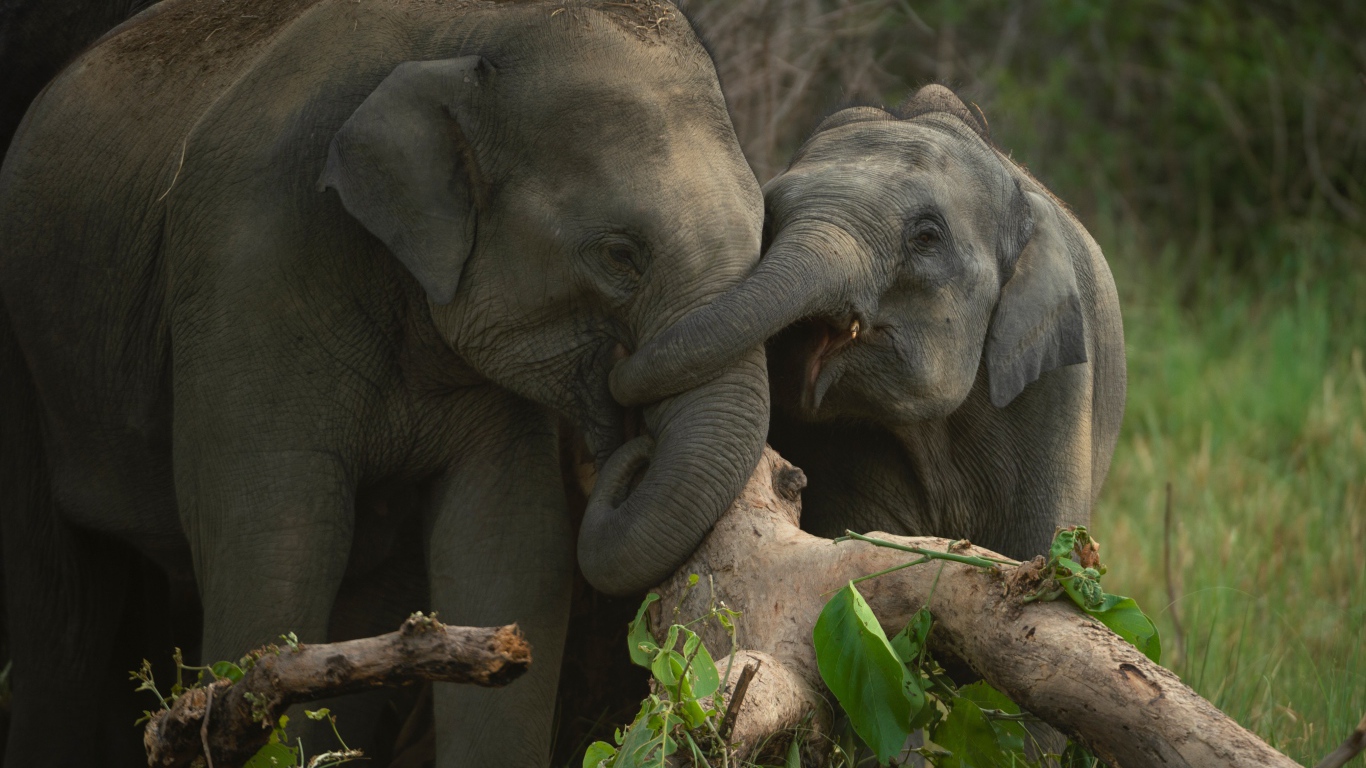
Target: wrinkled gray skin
(279, 274)
(982, 395)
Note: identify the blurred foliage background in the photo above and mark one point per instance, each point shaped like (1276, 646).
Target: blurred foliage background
(1217, 151)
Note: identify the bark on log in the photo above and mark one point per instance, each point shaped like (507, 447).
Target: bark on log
(422, 649)
(1056, 662)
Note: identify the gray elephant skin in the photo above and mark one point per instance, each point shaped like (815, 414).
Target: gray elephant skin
(283, 280)
(949, 354)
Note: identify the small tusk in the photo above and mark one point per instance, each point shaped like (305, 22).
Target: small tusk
(853, 330)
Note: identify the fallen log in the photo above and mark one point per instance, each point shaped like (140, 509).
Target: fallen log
(1054, 661)
(228, 722)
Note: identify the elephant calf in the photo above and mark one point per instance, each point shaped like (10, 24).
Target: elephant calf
(283, 277)
(947, 354)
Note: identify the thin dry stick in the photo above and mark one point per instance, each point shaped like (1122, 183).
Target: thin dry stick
(204, 728)
(1349, 748)
(1167, 526)
(737, 699)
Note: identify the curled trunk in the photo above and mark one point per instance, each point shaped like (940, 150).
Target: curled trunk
(706, 441)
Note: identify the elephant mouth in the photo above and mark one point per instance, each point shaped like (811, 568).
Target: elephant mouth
(592, 446)
(603, 425)
(824, 340)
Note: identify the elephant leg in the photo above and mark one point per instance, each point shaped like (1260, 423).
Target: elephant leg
(270, 533)
(501, 550)
(66, 591)
(372, 602)
(64, 595)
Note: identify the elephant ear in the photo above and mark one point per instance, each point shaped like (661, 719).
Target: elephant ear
(404, 168)
(1037, 325)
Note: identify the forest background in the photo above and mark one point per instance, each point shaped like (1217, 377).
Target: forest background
(1217, 152)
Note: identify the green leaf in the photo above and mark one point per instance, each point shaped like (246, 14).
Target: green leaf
(910, 640)
(638, 639)
(1123, 616)
(1077, 756)
(794, 754)
(666, 667)
(599, 752)
(704, 677)
(693, 714)
(1010, 735)
(1063, 543)
(969, 737)
(227, 669)
(1083, 585)
(274, 755)
(636, 741)
(857, 662)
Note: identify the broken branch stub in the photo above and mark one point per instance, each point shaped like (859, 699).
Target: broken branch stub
(240, 714)
(1053, 660)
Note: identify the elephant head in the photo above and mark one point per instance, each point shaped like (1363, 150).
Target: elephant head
(903, 252)
(564, 194)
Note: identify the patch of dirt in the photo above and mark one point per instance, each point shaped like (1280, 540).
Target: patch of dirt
(211, 33)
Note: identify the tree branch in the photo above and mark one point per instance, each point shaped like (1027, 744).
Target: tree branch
(1056, 662)
(242, 712)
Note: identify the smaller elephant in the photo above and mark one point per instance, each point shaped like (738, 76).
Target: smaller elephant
(947, 355)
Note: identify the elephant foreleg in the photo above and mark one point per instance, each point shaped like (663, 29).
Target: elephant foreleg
(270, 532)
(501, 551)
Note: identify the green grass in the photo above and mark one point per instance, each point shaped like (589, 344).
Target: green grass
(1248, 395)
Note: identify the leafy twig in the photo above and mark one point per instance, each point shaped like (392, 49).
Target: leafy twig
(980, 562)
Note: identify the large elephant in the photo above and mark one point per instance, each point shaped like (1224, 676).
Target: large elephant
(279, 277)
(948, 355)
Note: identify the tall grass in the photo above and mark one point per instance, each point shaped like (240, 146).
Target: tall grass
(1217, 151)
(1250, 400)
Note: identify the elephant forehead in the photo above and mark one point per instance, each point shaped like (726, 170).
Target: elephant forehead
(868, 144)
(877, 165)
(637, 147)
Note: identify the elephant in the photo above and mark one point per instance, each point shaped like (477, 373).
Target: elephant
(946, 354)
(286, 282)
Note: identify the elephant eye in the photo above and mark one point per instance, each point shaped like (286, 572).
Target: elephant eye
(623, 254)
(925, 237)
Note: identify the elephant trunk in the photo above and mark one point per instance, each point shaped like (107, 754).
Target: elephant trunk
(797, 278)
(706, 443)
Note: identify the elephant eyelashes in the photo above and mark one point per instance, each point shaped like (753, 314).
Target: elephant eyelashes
(923, 238)
(622, 255)
(614, 263)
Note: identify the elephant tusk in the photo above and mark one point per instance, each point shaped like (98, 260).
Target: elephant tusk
(853, 330)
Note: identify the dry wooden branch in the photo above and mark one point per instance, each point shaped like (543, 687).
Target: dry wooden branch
(1056, 662)
(1348, 749)
(233, 719)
